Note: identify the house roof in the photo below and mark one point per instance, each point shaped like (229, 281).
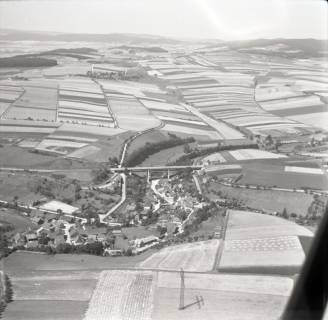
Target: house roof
(55, 205)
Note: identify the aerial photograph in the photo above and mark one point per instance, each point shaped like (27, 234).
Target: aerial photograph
(160, 159)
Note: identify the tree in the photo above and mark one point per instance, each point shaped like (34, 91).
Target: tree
(186, 148)
(285, 214)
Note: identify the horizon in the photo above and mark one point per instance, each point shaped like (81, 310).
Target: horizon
(155, 35)
(203, 20)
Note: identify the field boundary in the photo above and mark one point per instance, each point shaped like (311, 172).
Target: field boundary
(221, 244)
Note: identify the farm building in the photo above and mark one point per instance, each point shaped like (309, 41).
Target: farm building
(57, 206)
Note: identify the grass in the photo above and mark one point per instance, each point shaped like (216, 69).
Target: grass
(21, 261)
(12, 156)
(271, 176)
(18, 221)
(197, 256)
(268, 200)
(76, 290)
(164, 157)
(45, 310)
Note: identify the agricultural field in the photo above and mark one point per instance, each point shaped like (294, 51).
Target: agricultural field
(300, 97)
(241, 155)
(17, 220)
(256, 241)
(197, 256)
(130, 113)
(164, 157)
(13, 156)
(225, 296)
(263, 174)
(36, 103)
(268, 200)
(122, 295)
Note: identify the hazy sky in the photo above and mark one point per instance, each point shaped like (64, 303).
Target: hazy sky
(221, 19)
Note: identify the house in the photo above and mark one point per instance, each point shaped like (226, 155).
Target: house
(31, 236)
(32, 244)
(37, 220)
(117, 232)
(141, 242)
(112, 252)
(77, 240)
(130, 207)
(19, 239)
(59, 239)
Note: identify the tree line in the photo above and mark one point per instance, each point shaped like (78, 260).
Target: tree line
(187, 158)
(140, 155)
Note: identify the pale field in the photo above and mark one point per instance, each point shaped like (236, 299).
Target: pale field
(84, 152)
(71, 138)
(296, 102)
(218, 304)
(9, 95)
(280, 286)
(176, 115)
(81, 94)
(318, 119)
(85, 114)
(156, 105)
(261, 120)
(10, 88)
(122, 295)
(197, 256)
(3, 107)
(249, 225)
(182, 121)
(46, 143)
(248, 154)
(137, 89)
(87, 121)
(198, 86)
(304, 170)
(132, 115)
(262, 252)
(192, 131)
(211, 103)
(263, 93)
(28, 143)
(89, 130)
(83, 106)
(38, 97)
(23, 113)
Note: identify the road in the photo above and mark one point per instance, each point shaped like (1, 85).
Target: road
(102, 217)
(217, 125)
(197, 184)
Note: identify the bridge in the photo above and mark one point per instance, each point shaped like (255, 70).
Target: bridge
(155, 169)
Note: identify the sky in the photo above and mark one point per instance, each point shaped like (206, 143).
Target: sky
(199, 19)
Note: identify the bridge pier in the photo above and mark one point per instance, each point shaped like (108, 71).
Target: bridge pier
(168, 174)
(148, 176)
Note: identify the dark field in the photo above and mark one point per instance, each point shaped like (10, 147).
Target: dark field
(268, 200)
(270, 175)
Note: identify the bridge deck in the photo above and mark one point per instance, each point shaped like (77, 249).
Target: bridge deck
(156, 168)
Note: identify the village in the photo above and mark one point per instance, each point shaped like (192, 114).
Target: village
(153, 218)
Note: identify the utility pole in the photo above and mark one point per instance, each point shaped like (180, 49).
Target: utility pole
(182, 288)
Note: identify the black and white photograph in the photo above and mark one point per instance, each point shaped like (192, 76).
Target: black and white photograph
(163, 160)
